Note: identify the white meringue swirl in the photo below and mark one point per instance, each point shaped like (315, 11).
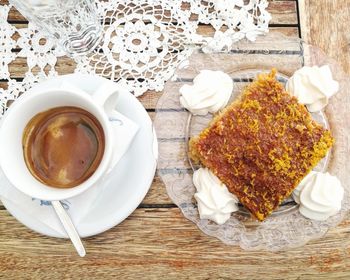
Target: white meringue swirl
(313, 86)
(214, 200)
(210, 92)
(319, 195)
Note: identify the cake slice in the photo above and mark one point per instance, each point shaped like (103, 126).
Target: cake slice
(262, 145)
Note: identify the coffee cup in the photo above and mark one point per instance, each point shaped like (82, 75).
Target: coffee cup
(101, 105)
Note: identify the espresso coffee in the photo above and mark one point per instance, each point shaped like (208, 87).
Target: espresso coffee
(63, 146)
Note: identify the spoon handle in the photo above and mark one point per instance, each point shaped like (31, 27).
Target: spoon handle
(69, 227)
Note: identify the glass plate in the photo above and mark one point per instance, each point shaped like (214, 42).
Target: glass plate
(286, 227)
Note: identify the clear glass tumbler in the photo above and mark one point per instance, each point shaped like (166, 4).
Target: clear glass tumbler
(74, 23)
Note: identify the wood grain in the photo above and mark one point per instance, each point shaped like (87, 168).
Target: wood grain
(326, 25)
(157, 194)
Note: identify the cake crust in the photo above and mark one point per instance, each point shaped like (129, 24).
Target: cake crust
(262, 145)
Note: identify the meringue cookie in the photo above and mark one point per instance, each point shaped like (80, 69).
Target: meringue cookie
(210, 92)
(214, 200)
(313, 86)
(298, 189)
(319, 195)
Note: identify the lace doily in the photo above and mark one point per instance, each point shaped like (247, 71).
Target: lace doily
(286, 227)
(144, 41)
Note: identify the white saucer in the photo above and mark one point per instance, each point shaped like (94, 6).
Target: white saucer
(129, 183)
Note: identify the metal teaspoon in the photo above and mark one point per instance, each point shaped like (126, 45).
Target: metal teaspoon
(69, 227)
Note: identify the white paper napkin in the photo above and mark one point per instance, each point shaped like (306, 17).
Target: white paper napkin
(79, 206)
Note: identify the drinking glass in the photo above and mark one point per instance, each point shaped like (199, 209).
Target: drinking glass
(74, 23)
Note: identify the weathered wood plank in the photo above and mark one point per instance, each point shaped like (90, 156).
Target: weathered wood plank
(157, 194)
(283, 12)
(326, 24)
(19, 67)
(143, 247)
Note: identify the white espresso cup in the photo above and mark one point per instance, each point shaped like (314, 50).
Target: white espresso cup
(101, 104)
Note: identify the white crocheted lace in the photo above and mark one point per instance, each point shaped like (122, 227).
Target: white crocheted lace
(144, 41)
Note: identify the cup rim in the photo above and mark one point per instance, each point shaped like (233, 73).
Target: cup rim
(58, 193)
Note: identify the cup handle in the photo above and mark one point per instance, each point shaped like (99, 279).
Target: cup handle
(107, 97)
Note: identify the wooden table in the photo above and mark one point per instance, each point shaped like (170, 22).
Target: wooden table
(156, 241)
